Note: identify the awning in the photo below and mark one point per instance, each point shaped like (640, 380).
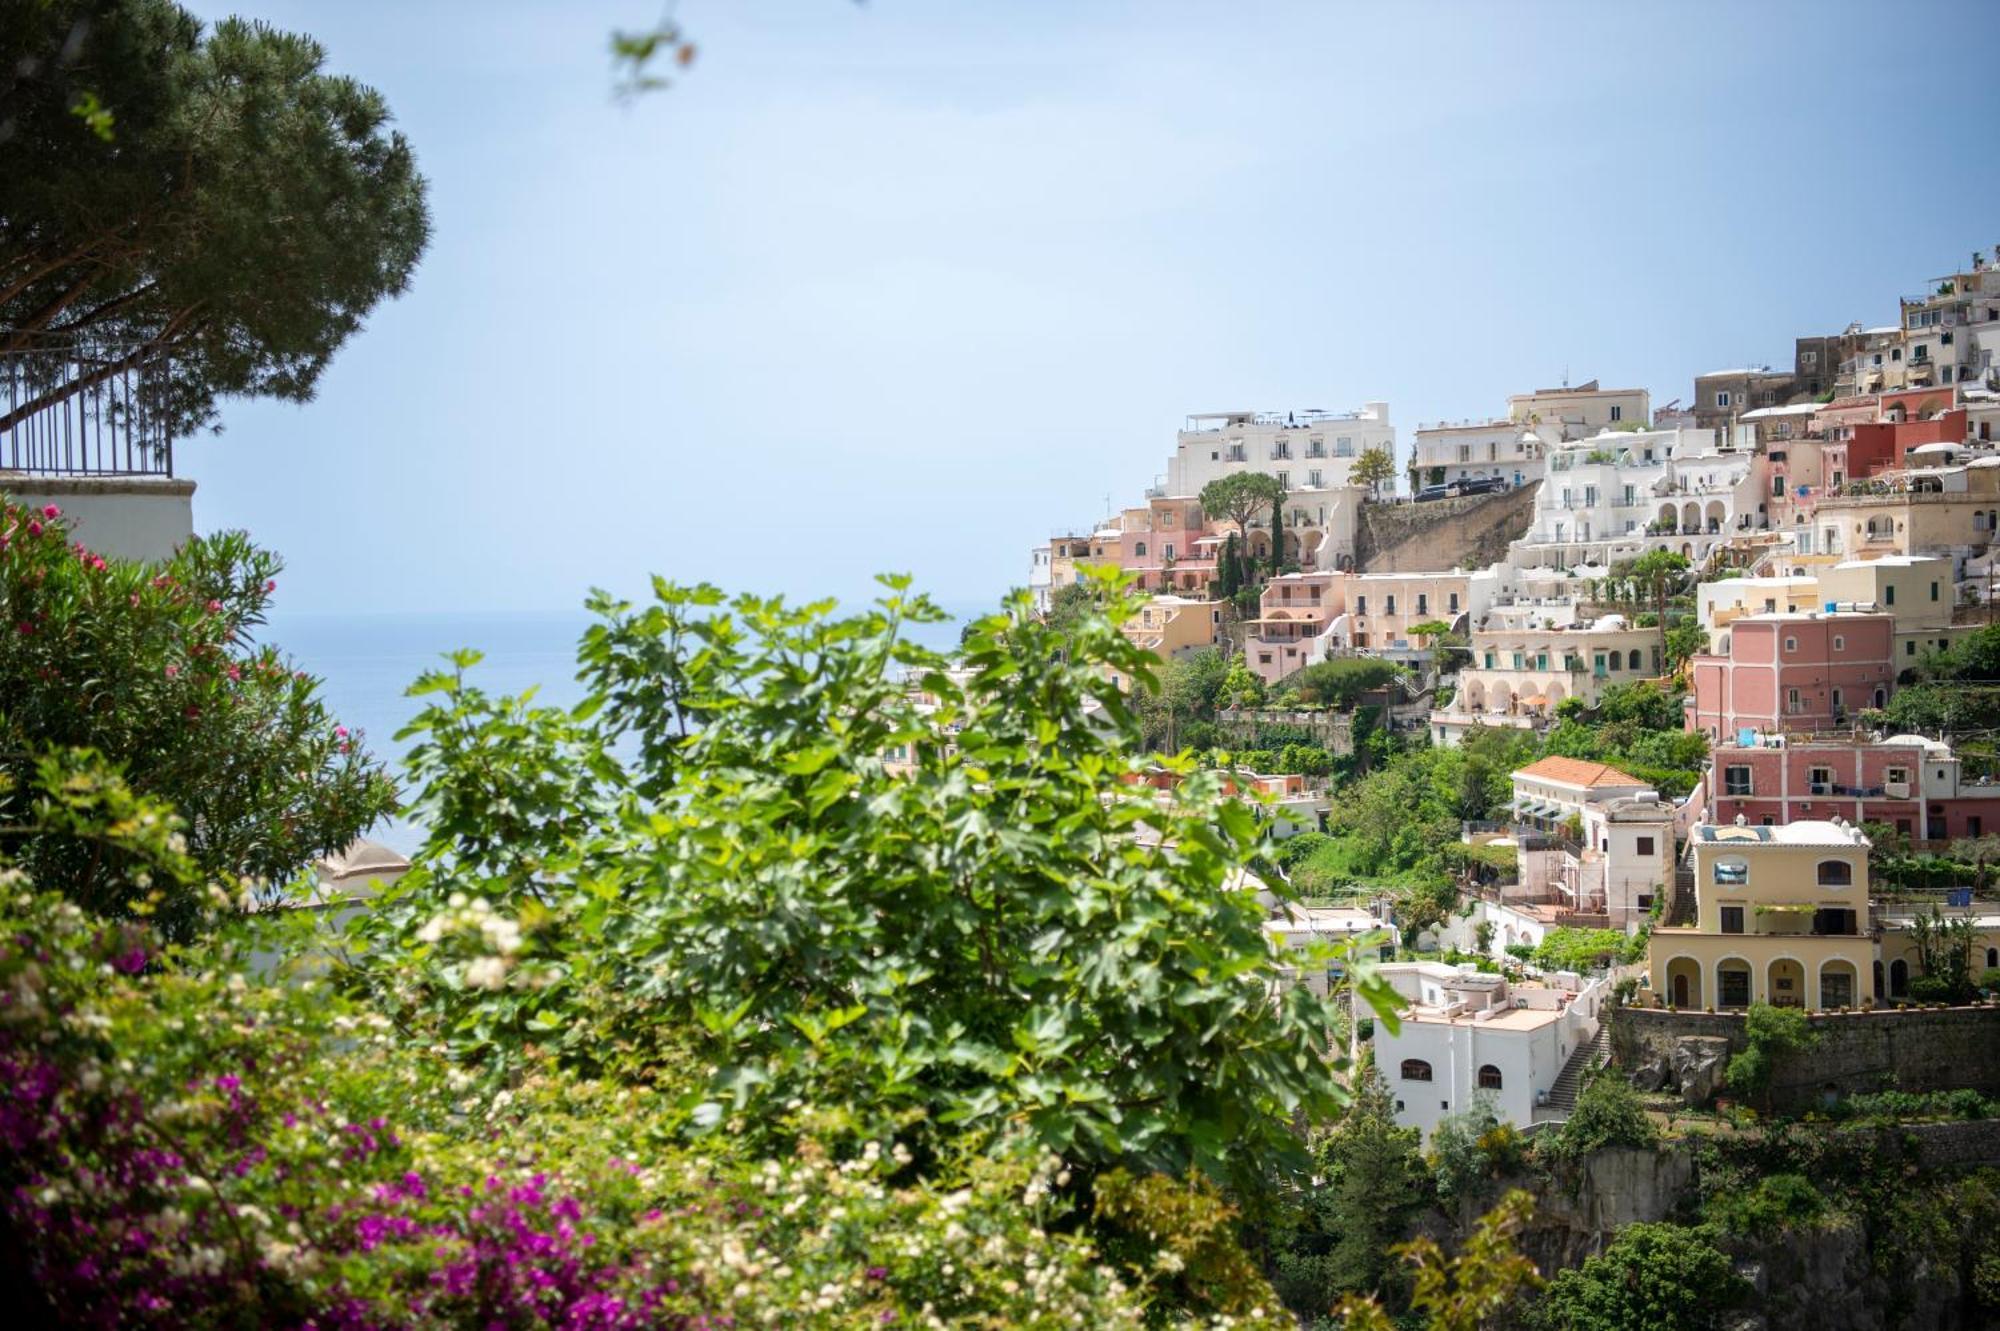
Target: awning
(1535, 700)
(1926, 450)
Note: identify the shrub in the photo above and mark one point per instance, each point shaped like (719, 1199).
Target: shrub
(152, 666)
(712, 865)
(1293, 850)
(1657, 1276)
(1773, 1204)
(1772, 1033)
(1567, 949)
(1608, 1113)
(185, 1145)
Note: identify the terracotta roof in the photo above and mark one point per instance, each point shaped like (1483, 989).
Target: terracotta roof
(1577, 772)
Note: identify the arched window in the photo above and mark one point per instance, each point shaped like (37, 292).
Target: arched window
(1836, 873)
(1993, 958)
(1632, 659)
(1489, 1078)
(1139, 549)
(1415, 1069)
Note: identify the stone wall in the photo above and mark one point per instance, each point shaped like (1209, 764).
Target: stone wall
(1470, 532)
(1944, 1049)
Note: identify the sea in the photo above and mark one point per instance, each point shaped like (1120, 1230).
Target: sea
(367, 662)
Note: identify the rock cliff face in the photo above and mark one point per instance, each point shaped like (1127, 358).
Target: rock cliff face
(1830, 1277)
(1468, 533)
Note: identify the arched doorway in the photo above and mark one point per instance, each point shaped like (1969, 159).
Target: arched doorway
(1899, 978)
(1732, 983)
(1836, 984)
(1787, 983)
(1684, 982)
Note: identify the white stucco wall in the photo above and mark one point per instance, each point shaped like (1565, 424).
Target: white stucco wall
(126, 517)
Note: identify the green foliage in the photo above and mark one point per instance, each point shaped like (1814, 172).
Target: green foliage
(1773, 1033)
(1339, 682)
(1608, 1113)
(242, 218)
(1583, 950)
(1373, 467)
(1684, 639)
(1069, 605)
(710, 862)
(189, 1145)
(1241, 686)
(1471, 1149)
(1944, 957)
(153, 668)
(1293, 850)
(1240, 496)
(1468, 1292)
(1774, 1204)
(1372, 1184)
(1666, 1277)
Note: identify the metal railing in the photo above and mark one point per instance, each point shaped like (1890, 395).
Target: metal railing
(81, 407)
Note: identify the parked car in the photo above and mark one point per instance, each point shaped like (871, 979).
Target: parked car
(1479, 485)
(1430, 492)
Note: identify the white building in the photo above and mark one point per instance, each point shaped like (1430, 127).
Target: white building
(1614, 496)
(1467, 1034)
(1448, 452)
(1306, 450)
(1520, 675)
(1298, 932)
(1622, 856)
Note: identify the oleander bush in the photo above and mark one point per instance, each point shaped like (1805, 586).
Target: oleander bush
(155, 667)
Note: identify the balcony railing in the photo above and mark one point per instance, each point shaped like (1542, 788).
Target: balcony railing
(77, 407)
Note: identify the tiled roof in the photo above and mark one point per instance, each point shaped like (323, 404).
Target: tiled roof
(1577, 772)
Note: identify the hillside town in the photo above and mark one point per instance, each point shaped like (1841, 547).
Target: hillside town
(1790, 581)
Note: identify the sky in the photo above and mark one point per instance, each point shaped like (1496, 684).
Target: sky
(909, 285)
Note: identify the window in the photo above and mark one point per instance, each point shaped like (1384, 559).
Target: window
(1423, 603)
(1731, 873)
(1617, 414)
(1735, 781)
(1934, 591)
(1285, 480)
(1792, 703)
(1389, 605)
(1820, 779)
(1139, 548)
(1722, 398)
(1973, 826)
(1732, 919)
(1791, 645)
(1836, 873)
(1644, 845)
(1360, 605)
(1489, 1078)
(1839, 642)
(1839, 703)
(1734, 981)
(1313, 479)
(1415, 1069)
(1910, 647)
(1343, 447)
(1453, 603)
(1632, 659)
(1889, 594)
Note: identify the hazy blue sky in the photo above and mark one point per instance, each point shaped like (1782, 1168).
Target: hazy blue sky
(907, 285)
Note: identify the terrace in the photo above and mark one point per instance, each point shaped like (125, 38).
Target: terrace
(76, 407)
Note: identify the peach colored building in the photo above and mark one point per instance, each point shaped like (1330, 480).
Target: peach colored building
(1793, 672)
(1518, 676)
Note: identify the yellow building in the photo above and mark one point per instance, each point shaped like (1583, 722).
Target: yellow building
(1776, 915)
(1170, 626)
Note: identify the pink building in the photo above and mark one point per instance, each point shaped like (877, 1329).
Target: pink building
(1793, 672)
(1908, 782)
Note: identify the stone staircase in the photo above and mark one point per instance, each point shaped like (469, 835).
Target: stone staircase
(1562, 1095)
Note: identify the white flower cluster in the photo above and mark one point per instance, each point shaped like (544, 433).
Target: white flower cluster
(475, 921)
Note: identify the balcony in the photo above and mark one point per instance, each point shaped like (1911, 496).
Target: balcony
(74, 407)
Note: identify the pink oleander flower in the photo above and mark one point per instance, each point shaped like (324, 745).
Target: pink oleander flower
(51, 511)
(172, 671)
(235, 674)
(271, 585)
(340, 732)
(34, 528)
(215, 607)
